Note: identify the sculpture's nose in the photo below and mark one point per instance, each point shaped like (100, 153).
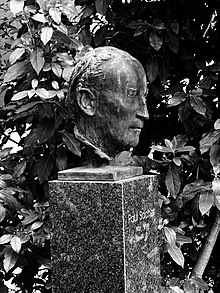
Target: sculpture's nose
(143, 112)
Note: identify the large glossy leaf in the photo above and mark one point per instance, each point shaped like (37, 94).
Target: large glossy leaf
(170, 235)
(61, 160)
(45, 166)
(46, 34)
(178, 98)
(72, 143)
(197, 104)
(101, 6)
(172, 41)
(156, 41)
(198, 282)
(208, 140)
(152, 68)
(16, 70)
(37, 59)
(176, 254)
(10, 259)
(16, 243)
(184, 110)
(45, 129)
(206, 201)
(16, 6)
(16, 54)
(2, 212)
(173, 182)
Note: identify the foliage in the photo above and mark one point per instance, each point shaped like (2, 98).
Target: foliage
(178, 44)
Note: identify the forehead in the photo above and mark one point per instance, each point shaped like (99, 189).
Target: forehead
(123, 73)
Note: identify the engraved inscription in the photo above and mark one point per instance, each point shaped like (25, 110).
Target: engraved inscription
(140, 215)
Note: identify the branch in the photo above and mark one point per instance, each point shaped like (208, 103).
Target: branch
(207, 248)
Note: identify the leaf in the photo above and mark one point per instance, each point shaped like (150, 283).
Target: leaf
(27, 107)
(55, 14)
(217, 124)
(16, 6)
(155, 40)
(16, 243)
(41, 92)
(72, 143)
(152, 68)
(61, 160)
(173, 182)
(169, 145)
(5, 152)
(101, 6)
(46, 34)
(40, 18)
(197, 104)
(198, 282)
(100, 35)
(186, 148)
(10, 259)
(16, 70)
(215, 67)
(175, 289)
(184, 111)
(16, 54)
(164, 68)
(175, 27)
(181, 239)
(19, 169)
(206, 200)
(57, 69)
(178, 98)
(190, 190)
(37, 59)
(171, 41)
(214, 156)
(5, 238)
(160, 148)
(19, 96)
(36, 225)
(123, 159)
(2, 213)
(208, 140)
(188, 287)
(205, 83)
(170, 235)
(45, 166)
(30, 218)
(177, 161)
(45, 129)
(176, 254)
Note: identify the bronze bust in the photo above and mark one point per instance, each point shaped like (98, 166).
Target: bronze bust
(107, 94)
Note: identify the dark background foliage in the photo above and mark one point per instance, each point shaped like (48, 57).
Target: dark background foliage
(178, 44)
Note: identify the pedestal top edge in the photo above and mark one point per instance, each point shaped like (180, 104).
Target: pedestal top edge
(135, 178)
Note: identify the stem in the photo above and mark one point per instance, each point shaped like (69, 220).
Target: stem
(9, 138)
(207, 248)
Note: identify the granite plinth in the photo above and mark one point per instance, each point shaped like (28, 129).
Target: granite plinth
(104, 236)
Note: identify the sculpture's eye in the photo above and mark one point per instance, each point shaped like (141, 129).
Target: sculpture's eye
(131, 93)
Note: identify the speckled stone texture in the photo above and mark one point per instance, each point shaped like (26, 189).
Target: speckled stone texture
(104, 236)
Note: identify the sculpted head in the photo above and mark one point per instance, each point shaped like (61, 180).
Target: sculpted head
(107, 94)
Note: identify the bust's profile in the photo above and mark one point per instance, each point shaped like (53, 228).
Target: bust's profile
(107, 94)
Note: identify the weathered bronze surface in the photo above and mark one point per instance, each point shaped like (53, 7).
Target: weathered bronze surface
(107, 94)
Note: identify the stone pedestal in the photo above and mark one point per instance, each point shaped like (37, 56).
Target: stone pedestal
(104, 234)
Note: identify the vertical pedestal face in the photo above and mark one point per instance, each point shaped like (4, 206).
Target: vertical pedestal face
(104, 236)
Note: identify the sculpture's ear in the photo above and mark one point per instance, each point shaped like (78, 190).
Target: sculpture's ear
(86, 101)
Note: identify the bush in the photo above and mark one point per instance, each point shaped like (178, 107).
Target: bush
(178, 44)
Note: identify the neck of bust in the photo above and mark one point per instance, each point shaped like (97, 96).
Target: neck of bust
(96, 156)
